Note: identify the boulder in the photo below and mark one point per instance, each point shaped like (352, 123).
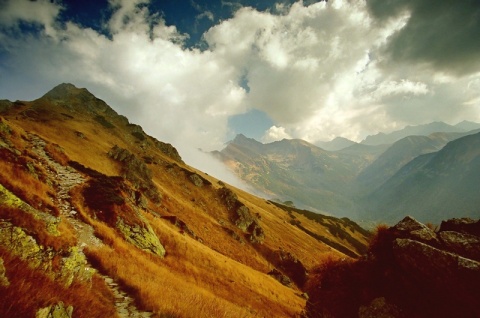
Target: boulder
(430, 265)
(463, 225)
(412, 229)
(196, 180)
(465, 245)
(142, 237)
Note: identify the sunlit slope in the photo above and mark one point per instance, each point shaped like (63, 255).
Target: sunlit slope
(178, 241)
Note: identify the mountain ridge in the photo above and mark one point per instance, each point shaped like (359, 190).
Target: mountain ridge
(105, 213)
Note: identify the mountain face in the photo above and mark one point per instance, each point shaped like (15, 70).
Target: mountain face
(433, 186)
(298, 171)
(360, 181)
(398, 155)
(421, 130)
(98, 219)
(337, 143)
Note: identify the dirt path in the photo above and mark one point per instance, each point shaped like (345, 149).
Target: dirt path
(65, 179)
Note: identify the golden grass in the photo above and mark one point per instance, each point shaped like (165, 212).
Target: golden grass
(27, 187)
(30, 290)
(38, 229)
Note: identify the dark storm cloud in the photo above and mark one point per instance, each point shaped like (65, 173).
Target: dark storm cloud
(442, 33)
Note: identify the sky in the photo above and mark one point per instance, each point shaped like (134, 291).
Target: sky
(195, 73)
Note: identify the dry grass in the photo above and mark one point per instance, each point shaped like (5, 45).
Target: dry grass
(30, 290)
(38, 229)
(56, 153)
(15, 177)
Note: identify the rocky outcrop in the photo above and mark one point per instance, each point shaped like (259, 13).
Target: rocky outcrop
(182, 226)
(446, 261)
(168, 150)
(141, 236)
(58, 310)
(291, 266)
(410, 271)
(241, 216)
(283, 279)
(136, 171)
(73, 263)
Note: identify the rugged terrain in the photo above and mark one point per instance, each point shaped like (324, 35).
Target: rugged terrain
(431, 177)
(410, 270)
(98, 219)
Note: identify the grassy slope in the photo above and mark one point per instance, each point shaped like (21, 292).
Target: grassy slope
(217, 276)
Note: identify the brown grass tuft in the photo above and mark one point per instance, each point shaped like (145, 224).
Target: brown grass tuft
(30, 290)
(38, 229)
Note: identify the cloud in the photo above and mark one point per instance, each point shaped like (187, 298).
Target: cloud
(317, 71)
(275, 133)
(41, 12)
(440, 33)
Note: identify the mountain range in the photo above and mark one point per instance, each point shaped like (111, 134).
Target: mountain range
(99, 219)
(360, 180)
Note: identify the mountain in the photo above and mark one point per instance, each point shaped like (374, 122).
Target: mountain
(433, 186)
(335, 144)
(420, 130)
(399, 154)
(99, 219)
(468, 125)
(295, 170)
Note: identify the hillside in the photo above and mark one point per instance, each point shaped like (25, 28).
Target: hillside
(434, 186)
(399, 154)
(295, 170)
(98, 219)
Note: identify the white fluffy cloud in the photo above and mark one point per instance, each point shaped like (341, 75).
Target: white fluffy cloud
(318, 71)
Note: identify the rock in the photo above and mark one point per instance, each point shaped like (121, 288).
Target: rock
(55, 311)
(257, 235)
(283, 279)
(292, 266)
(136, 171)
(142, 237)
(412, 229)
(431, 265)
(181, 225)
(3, 275)
(379, 308)
(464, 225)
(229, 197)
(243, 218)
(196, 180)
(465, 245)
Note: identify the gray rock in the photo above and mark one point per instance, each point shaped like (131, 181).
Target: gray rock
(412, 229)
(196, 180)
(465, 245)
(431, 265)
(463, 225)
